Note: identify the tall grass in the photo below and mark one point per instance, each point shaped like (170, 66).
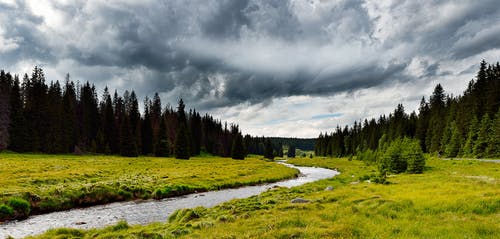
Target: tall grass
(33, 183)
(451, 199)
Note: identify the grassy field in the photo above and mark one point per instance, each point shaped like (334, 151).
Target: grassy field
(56, 182)
(452, 199)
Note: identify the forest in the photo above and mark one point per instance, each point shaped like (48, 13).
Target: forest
(70, 118)
(450, 126)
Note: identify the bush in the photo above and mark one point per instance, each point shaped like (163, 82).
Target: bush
(20, 206)
(413, 155)
(403, 155)
(6, 212)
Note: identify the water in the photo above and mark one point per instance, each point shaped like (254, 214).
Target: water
(145, 212)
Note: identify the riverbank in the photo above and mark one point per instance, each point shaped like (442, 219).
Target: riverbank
(59, 182)
(149, 211)
(451, 199)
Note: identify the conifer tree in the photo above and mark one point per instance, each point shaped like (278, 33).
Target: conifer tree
(147, 130)
(237, 151)
(182, 150)
(17, 129)
(162, 148)
(483, 137)
(467, 149)
(291, 151)
(268, 150)
(4, 111)
(452, 147)
(128, 147)
(493, 149)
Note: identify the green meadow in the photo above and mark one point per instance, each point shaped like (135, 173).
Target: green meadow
(58, 182)
(451, 199)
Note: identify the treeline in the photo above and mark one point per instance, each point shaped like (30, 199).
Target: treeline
(447, 125)
(300, 143)
(36, 117)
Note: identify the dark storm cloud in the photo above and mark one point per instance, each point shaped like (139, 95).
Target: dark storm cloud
(222, 53)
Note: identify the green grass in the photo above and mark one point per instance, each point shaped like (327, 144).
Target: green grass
(57, 182)
(452, 199)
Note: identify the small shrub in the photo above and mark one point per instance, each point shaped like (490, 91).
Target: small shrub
(121, 225)
(20, 206)
(6, 212)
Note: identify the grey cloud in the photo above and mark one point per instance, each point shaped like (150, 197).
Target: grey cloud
(155, 39)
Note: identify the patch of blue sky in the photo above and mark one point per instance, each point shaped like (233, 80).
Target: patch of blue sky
(324, 116)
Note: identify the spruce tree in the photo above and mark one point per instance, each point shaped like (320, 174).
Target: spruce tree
(493, 149)
(238, 152)
(268, 150)
(467, 149)
(128, 148)
(452, 147)
(4, 111)
(162, 148)
(17, 129)
(147, 130)
(291, 151)
(182, 150)
(483, 137)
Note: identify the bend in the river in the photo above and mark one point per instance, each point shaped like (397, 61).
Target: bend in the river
(145, 212)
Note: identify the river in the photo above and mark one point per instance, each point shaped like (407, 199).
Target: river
(147, 211)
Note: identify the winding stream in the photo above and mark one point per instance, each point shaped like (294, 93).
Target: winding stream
(145, 212)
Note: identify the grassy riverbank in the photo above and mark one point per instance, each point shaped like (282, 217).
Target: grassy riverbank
(452, 199)
(57, 182)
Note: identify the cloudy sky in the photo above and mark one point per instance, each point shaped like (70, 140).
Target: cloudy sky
(277, 68)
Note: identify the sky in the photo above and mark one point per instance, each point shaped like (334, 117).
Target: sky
(275, 67)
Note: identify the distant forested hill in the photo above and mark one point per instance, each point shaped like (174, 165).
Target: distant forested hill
(299, 143)
(453, 126)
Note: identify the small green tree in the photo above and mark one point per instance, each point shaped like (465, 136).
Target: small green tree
(483, 137)
(453, 145)
(493, 149)
(467, 150)
(413, 155)
(392, 160)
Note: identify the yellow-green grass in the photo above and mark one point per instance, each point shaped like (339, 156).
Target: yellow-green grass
(56, 182)
(452, 199)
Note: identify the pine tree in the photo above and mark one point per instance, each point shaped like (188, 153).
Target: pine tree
(162, 148)
(238, 151)
(291, 151)
(493, 149)
(182, 150)
(147, 130)
(268, 150)
(413, 155)
(4, 111)
(467, 150)
(482, 141)
(17, 129)
(453, 145)
(128, 148)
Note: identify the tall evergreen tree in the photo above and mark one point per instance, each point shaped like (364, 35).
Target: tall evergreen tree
(162, 145)
(493, 149)
(237, 151)
(182, 150)
(483, 137)
(18, 129)
(468, 148)
(268, 150)
(147, 129)
(128, 147)
(291, 151)
(4, 111)
(452, 147)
